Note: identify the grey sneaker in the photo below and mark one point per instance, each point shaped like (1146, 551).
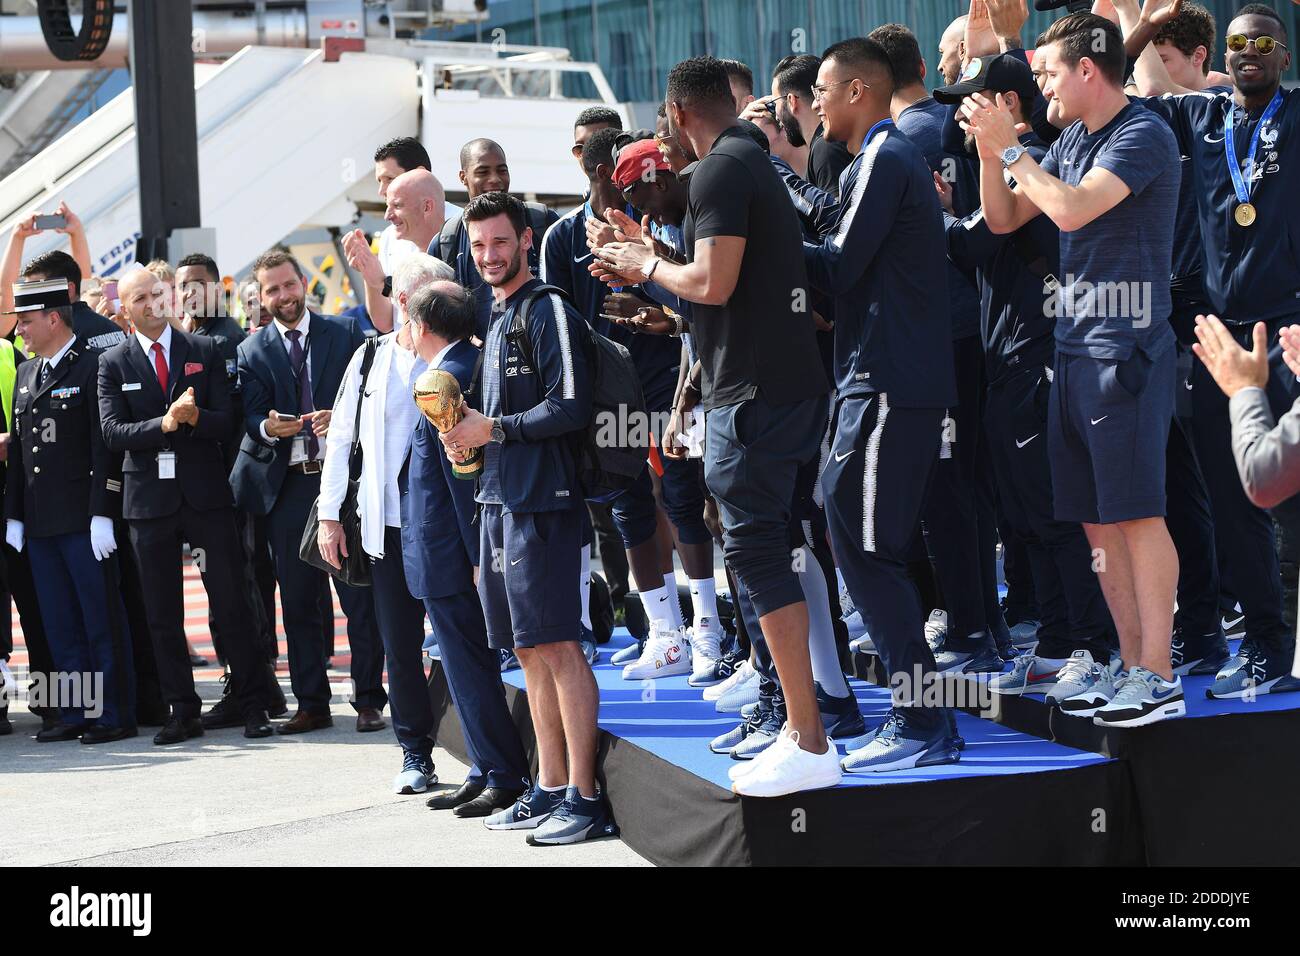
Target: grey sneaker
(1073, 678)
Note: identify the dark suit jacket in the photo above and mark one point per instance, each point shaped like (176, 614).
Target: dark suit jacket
(60, 471)
(131, 409)
(266, 379)
(440, 544)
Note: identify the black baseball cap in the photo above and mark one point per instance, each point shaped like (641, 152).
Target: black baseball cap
(1000, 73)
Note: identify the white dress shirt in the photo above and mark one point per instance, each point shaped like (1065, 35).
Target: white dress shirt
(53, 363)
(400, 417)
(284, 330)
(165, 340)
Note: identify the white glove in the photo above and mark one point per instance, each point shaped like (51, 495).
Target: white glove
(102, 541)
(14, 534)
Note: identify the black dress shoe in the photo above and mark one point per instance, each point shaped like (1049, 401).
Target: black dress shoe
(225, 712)
(60, 732)
(488, 802)
(6, 728)
(104, 735)
(276, 705)
(256, 725)
(178, 729)
(448, 801)
(197, 661)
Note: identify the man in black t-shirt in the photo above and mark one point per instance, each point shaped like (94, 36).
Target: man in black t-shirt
(764, 391)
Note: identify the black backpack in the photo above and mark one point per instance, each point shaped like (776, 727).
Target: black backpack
(605, 468)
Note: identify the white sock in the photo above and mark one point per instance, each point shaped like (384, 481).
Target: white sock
(839, 580)
(584, 586)
(704, 599)
(821, 632)
(657, 606)
(674, 601)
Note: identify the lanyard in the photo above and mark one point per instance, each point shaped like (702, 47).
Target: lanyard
(1229, 145)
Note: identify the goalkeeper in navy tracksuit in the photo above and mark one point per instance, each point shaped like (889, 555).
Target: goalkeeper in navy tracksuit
(882, 259)
(535, 393)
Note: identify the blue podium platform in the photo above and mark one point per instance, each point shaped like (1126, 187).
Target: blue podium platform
(1193, 776)
(1014, 798)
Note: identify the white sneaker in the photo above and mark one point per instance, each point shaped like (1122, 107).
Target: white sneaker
(742, 673)
(936, 630)
(706, 647)
(666, 654)
(785, 767)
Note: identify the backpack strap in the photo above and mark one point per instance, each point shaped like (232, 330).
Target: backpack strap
(448, 241)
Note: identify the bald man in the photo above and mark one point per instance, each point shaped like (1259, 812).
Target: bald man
(483, 169)
(417, 209)
(952, 50)
(164, 404)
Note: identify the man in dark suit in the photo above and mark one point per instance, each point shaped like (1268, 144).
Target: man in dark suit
(61, 504)
(290, 373)
(440, 549)
(164, 403)
(202, 302)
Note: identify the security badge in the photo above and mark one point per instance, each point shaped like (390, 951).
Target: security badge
(166, 464)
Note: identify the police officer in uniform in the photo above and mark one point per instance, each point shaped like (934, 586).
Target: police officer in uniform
(63, 489)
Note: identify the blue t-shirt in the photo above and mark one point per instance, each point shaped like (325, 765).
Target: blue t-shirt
(1114, 294)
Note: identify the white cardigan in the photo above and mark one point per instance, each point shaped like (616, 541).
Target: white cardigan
(334, 476)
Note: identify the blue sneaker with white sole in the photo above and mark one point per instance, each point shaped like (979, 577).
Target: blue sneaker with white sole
(897, 746)
(528, 812)
(629, 654)
(1193, 655)
(1260, 672)
(577, 818)
(1142, 698)
(416, 775)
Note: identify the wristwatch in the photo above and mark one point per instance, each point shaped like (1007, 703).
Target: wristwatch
(387, 290)
(498, 433)
(1011, 154)
(649, 268)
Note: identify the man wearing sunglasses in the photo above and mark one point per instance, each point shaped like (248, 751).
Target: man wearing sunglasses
(1247, 205)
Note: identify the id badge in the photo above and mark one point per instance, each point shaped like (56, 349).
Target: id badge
(167, 464)
(298, 453)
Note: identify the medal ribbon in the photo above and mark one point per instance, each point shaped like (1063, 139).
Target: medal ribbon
(1230, 149)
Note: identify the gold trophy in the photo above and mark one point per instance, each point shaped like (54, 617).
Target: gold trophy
(437, 394)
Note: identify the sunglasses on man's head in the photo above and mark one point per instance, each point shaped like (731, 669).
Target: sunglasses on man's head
(1264, 44)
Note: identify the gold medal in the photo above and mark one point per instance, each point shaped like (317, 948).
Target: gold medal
(1244, 214)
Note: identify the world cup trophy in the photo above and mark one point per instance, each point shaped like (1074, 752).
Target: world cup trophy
(437, 394)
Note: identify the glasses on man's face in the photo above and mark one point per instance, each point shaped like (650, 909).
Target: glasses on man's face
(819, 92)
(1264, 44)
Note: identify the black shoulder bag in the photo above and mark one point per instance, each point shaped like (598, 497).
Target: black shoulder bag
(356, 566)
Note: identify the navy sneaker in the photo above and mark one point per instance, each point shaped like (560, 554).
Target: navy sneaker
(899, 747)
(976, 654)
(840, 715)
(1262, 671)
(508, 660)
(588, 642)
(724, 743)
(528, 812)
(1198, 654)
(577, 818)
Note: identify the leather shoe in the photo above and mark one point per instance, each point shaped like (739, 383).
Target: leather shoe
(60, 732)
(304, 721)
(488, 802)
(178, 729)
(225, 712)
(105, 735)
(448, 801)
(6, 728)
(369, 719)
(276, 705)
(256, 725)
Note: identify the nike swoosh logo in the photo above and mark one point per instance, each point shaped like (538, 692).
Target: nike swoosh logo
(515, 561)
(1189, 385)
(839, 458)
(1022, 444)
(1156, 695)
(584, 258)
(1230, 624)
(1096, 420)
(1031, 677)
(1209, 140)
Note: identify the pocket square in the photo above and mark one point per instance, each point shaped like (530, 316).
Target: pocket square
(192, 368)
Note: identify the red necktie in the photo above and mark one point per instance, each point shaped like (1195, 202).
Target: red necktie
(160, 365)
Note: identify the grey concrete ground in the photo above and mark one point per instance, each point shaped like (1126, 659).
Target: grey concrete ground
(319, 799)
